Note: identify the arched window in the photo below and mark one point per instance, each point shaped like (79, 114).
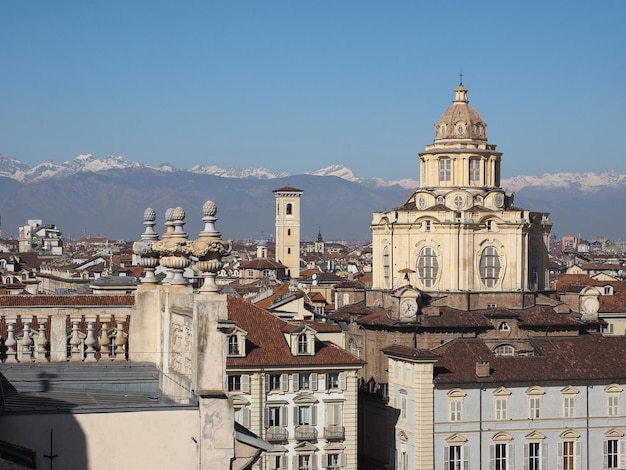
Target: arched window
(504, 350)
(427, 266)
(489, 266)
(288, 208)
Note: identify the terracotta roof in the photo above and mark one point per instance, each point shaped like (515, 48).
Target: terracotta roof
(583, 358)
(345, 313)
(409, 352)
(266, 344)
(262, 263)
(290, 189)
(65, 300)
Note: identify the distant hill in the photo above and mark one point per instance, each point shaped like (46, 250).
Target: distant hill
(108, 197)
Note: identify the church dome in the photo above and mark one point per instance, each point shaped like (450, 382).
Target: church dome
(460, 121)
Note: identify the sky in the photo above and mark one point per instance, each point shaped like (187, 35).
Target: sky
(295, 86)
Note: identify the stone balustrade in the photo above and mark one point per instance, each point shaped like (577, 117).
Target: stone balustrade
(78, 338)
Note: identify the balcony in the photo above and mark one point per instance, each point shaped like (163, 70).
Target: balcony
(334, 433)
(276, 434)
(306, 433)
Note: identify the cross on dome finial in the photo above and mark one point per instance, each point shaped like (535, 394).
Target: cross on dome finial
(461, 78)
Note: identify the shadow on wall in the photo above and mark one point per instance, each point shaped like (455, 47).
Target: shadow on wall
(38, 430)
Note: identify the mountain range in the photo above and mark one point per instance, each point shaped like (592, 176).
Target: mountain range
(108, 195)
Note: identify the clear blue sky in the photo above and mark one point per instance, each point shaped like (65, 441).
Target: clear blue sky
(295, 86)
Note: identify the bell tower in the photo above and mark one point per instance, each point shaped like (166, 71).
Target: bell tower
(288, 228)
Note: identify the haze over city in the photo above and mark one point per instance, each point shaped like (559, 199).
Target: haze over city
(298, 86)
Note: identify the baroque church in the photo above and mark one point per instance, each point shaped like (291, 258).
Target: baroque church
(459, 231)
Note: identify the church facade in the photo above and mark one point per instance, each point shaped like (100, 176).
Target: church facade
(459, 231)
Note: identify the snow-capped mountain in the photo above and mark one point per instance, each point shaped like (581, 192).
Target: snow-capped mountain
(345, 173)
(258, 173)
(580, 181)
(14, 169)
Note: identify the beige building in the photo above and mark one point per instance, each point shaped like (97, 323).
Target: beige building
(459, 231)
(288, 228)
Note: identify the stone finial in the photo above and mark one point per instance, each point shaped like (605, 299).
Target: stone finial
(174, 248)
(149, 260)
(209, 248)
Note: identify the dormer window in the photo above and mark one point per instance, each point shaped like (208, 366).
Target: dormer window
(237, 343)
(303, 341)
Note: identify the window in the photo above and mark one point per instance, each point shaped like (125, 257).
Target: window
(334, 414)
(289, 209)
(427, 266)
(305, 462)
(239, 383)
(612, 405)
(305, 415)
(569, 406)
(504, 327)
(386, 265)
(336, 381)
(288, 251)
(304, 381)
(276, 461)
(276, 416)
(303, 344)
(613, 394)
(456, 457)
(489, 225)
(489, 266)
(534, 407)
(615, 453)
(534, 457)
(288, 232)
(499, 456)
(445, 169)
(504, 350)
(242, 415)
(427, 226)
(233, 345)
(474, 170)
(403, 407)
(334, 461)
(569, 455)
(501, 403)
(455, 402)
(277, 382)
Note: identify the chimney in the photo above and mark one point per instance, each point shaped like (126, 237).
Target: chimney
(482, 369)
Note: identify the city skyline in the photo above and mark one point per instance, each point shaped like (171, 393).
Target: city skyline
(295, 87)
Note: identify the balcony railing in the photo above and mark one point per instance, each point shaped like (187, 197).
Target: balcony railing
(334, 433)
(306, 433)
(276, 434)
